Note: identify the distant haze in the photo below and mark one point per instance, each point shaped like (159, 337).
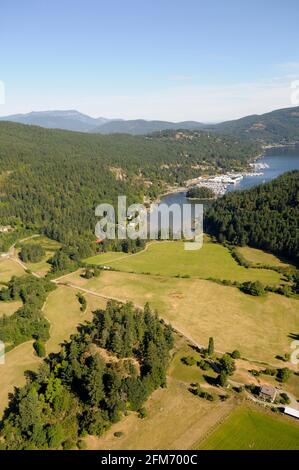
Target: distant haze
(279, 126)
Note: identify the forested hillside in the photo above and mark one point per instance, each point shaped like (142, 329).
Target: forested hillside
(28, 321)
(266, 217)
(52, 180)
(82, 391)
(279, 126)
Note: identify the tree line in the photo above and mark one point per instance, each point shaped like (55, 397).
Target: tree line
(28, 321)
(265, 217)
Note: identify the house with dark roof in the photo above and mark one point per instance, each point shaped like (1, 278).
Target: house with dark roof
(268, 393)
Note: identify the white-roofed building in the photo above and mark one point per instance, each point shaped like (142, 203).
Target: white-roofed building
(291, 412)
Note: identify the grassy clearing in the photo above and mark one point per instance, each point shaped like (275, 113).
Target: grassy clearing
(211, 261)
(106, 258)
(50, 246)
(249, 429)
(9, 268)
(255, 256)
(258, 326)
(62, 309)
(176, 420)
(45, 242)
(8, 308)
(17, 361)
(188, 374)
(42, 267)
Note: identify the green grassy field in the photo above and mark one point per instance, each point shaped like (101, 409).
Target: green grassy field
(258, 326)
(247, 429)
(185, 373)
(170, 259)
(50, 246)
(62, 309)
(255, 256)
(106, 258)
(9, 268)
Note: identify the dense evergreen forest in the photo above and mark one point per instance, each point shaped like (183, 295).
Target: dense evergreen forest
(52, 180)
(80, 391)
(200, 193)
(266, 217)
(277, 127)
(28, 321)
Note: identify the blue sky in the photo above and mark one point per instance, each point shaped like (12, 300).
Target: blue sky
(164, 59)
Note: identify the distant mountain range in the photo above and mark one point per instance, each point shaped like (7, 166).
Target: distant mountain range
(70, 120)
(141, 126)
(73, 120)
(280, 126)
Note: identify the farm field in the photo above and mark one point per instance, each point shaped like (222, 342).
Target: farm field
(62, 309)
(17, 361)
(255, 256)
(258, 326)
(9, 268)
(50, 246)
(176, 420)
(211, 261)
(107, 257)
(8, 308)
(247, 429)
(42, 267)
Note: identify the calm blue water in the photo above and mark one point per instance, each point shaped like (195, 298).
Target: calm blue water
(278, 160)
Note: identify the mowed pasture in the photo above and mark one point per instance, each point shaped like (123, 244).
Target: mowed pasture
(260, 327)
(169, 258)
(9, 268)
(260, 257)
(106, 258)
(62, 309)
(249, 429)
(8, 308)
(176, 420)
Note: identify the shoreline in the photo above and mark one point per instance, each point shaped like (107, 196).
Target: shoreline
(274, 146)
(184, 189)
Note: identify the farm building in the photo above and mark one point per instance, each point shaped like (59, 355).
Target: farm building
(267, 393)
(291, 412)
